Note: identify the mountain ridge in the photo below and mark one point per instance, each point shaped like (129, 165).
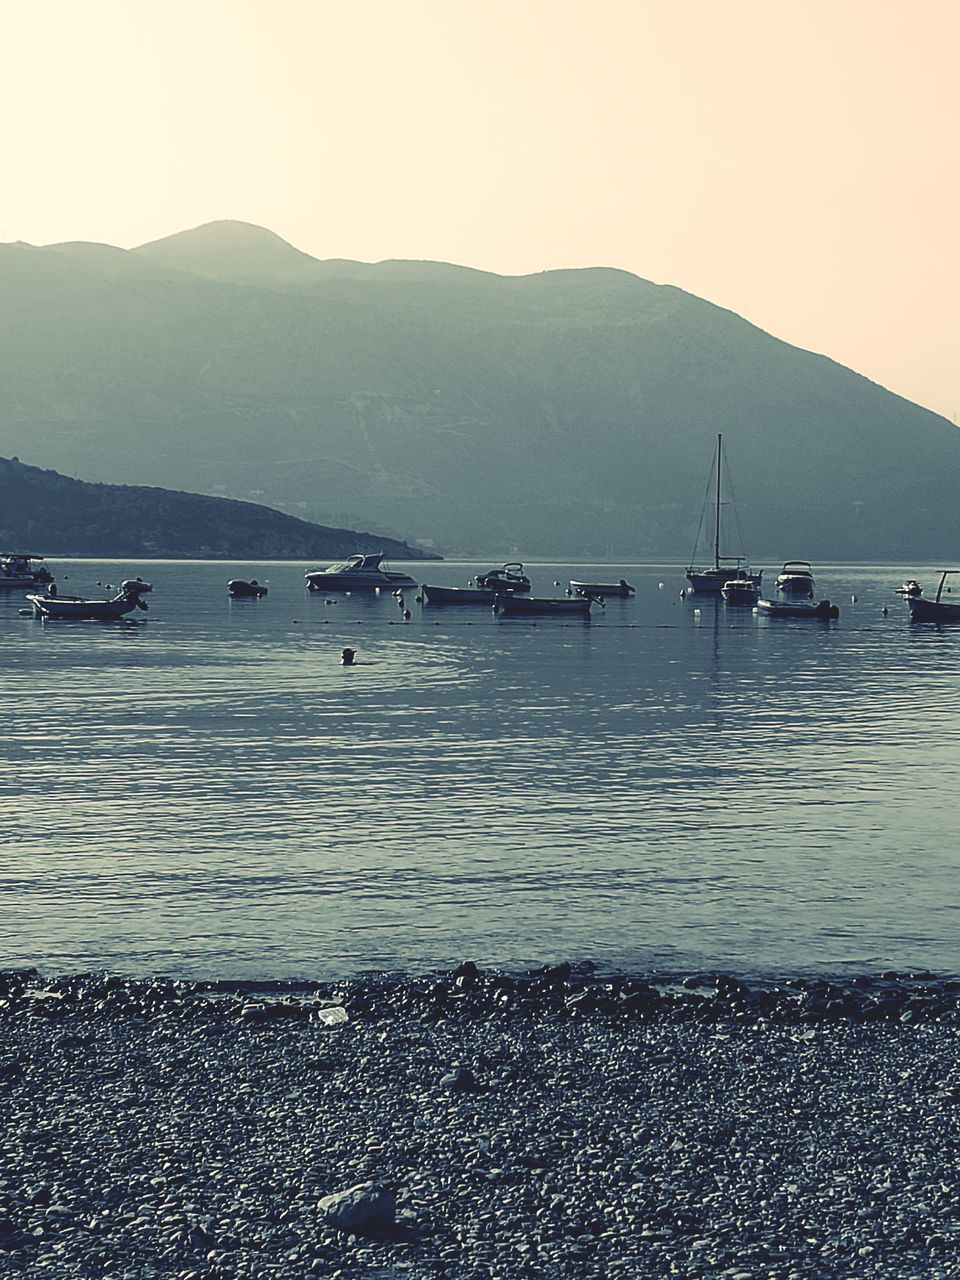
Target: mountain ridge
(561, 413)
(67, 516)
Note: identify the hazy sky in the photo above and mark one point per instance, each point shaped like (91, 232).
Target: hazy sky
(793, 160)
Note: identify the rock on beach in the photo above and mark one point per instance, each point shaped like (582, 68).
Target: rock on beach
(624, 1127)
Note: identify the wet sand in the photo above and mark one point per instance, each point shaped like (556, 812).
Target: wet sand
(559, 1124)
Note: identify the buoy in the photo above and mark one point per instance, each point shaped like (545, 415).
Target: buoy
(884, 610)
(853, 599)
(407, 615)
(659, 586)
(347, 656)
(683, 593)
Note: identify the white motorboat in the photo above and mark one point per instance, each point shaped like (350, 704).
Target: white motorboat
(510, 578)
(937, 609)
(78, 608)
(710, 579)
(795, 580)
(22, 572)
(359, 573)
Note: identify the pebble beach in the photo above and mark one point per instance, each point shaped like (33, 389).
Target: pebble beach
(552, 1124)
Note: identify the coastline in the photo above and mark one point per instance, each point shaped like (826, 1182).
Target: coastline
(555, 1124)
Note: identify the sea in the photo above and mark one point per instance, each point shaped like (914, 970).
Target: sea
(674, 786)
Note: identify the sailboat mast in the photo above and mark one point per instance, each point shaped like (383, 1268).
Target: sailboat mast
(716, 541)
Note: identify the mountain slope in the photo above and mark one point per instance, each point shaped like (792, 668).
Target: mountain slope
(55, 515)
(566, 413)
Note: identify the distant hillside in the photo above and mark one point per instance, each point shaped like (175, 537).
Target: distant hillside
(51, 514)
(563, 414)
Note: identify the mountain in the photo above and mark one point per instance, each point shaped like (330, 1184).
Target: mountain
(562, 414)
(55, 515)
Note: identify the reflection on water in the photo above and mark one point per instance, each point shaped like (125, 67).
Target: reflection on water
(675, 784)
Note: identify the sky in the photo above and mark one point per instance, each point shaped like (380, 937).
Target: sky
(795, 161)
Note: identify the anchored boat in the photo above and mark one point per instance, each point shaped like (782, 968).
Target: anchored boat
(937, 609)
(78, 608)
(457, 595)
(513, 606)
(359, 573)
(621, 588)
(510, 578)
(725, 568)
(20, 571)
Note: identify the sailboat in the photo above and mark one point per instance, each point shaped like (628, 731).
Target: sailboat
(724, 568)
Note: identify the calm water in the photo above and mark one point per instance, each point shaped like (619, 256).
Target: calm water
(674, 785)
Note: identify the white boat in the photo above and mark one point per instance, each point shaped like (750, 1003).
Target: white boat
(795, 580)
(78, 608)
(621, 588)
(710, 579)
(21, 572)
(741, 591)
(937, 609)
(510, 578)
(359, 573)
(797, 609)
(512, 606)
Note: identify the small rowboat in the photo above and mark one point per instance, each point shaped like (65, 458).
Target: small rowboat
(621, 588)
(935, 610)
(513, 606)
(798, 609)
(76, 608)
(457, 595)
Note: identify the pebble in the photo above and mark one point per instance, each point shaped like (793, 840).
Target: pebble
(626, 1127)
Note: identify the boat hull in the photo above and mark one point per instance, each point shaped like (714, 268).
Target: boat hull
(511, 606)
(243, 590)
(932, 611)
(621, 589)
(321, 581)
(457, 595)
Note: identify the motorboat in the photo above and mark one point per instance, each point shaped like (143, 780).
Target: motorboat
(621, 588)
(510, 578)
(20, 571)
(710, 579)
(457, 595)
(795, 579)
(77, 608)
(513, 606)
(239, 588)
(910, 588)
(798, 609)
(359, 573)
(937, 609)
(743, 592)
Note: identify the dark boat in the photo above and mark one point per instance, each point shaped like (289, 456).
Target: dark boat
(795, 580)
(78, 608)
(741, 592)
(238, 587)
(513, 606)
(621, 588)
(457, 595)
(935, 610)
(510, 578)
(22, 571)
(710, 579)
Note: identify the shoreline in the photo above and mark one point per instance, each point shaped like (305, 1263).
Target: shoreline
(553, 1124)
